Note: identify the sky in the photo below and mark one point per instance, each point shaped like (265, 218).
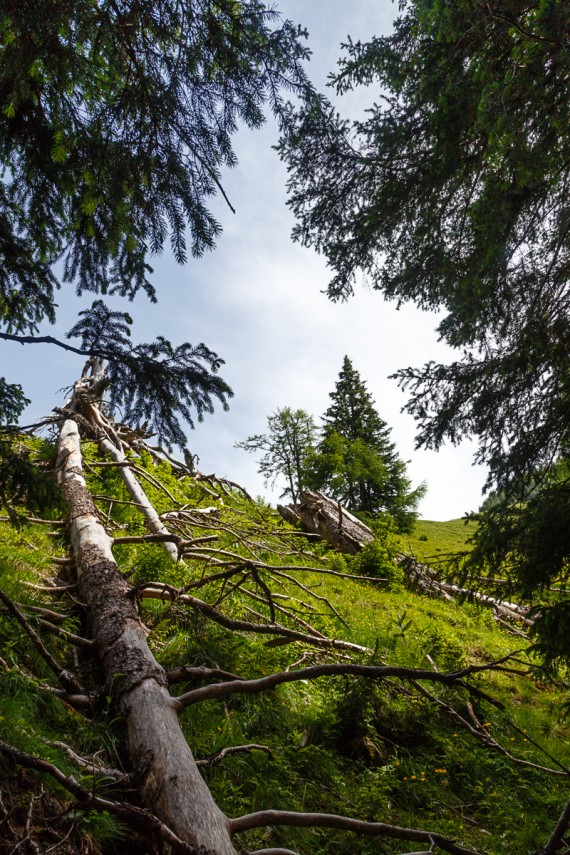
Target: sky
(258, 301)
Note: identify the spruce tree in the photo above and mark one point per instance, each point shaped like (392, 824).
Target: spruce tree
(357, 462)
(453, 193)
(116, 123)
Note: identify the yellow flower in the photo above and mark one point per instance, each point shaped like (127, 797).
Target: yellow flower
(441, 771)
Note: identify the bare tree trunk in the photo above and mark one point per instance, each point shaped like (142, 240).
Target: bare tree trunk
(323, 516)
(138, 495)
(169, 780)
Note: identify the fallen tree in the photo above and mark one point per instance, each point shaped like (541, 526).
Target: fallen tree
(318, 514)
(228, 561)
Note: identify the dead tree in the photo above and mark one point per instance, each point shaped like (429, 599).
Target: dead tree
(318, 514)
(178, 807)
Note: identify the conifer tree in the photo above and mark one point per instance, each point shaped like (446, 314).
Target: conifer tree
(116, 122)
(357, 462)
(453, 193)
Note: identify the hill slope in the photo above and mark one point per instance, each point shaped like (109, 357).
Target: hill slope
(480, 761)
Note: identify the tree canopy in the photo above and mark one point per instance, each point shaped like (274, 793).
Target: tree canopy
(116, 121)
(290, 438)
(452, 192)
(351, 457)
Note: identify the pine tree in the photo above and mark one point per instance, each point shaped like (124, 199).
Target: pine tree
(357, 462)
(453, 193)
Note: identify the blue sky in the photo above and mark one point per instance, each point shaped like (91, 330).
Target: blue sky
(257, 300)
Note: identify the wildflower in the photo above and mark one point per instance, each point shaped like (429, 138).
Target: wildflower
(441, 771)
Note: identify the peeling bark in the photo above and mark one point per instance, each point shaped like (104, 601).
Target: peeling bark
(169, 781)
(320, 515)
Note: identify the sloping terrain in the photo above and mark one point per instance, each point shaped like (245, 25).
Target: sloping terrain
(481, 760)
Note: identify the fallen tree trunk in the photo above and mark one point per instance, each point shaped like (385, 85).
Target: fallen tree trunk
(427, 581)
(323, 516)
(318, 514)
(169, 780)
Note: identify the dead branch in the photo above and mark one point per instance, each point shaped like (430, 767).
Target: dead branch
(556, 839)
(480, 732)
(147, 538)
(248, 626)
(70, 637)
(66, 678)
(345, 823)
(178, 675)
(90, 764)
(218, 756)
(309, 591)
(35, 520)
(48, 614)
(274, 851)
(134, 816)
(374, 672)
(282, 610)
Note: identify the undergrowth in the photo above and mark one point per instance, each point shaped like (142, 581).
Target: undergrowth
(377, 751)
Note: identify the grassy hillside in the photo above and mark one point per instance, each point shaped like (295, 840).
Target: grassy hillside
(477, 766)
(433, 541)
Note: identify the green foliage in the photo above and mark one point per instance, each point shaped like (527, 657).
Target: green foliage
(12, 402)
(115, 126)
(377, 559)
(25, 483)
(339, 745)
(452, 193)
(287, 447)
(355, 462)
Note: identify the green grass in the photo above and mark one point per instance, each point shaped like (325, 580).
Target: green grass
(432, 541)
(373, 750)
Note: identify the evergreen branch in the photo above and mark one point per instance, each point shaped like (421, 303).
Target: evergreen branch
(45, 339)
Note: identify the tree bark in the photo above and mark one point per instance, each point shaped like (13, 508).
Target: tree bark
(170, 783)
(327, 518)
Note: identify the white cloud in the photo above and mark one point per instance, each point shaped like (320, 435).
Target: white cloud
(257, 301)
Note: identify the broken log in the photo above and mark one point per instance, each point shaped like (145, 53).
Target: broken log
(323, 516)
